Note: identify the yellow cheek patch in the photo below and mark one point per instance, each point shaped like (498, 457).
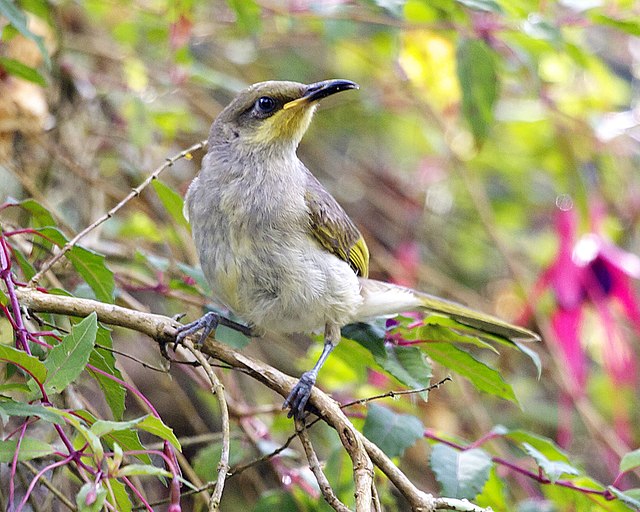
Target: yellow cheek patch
(295, 103)
(284, 125)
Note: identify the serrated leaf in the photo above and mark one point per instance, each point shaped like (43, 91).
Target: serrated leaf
(122, 500)
(369, 334)
(479, 374)
(28, 363)
(90, 265)
(143, 469)
(103, 359)
(543, 444)
(462, 474)
(630, 461)
(392, 433)
(478, 77)
(407, 364)
(20, 70)
(156, 427)
(172, 202)
(554, 469)
(30, 448)
(482, 5)
(10, 408)
(68, 359)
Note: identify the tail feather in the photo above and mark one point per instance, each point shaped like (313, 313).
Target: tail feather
(382, 298)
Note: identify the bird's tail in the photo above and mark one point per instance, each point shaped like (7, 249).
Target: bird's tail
(382, 298)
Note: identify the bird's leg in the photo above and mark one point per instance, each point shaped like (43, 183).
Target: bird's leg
(208, 323)
(301, 392)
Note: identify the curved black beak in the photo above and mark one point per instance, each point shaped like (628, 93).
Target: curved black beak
(317, 91)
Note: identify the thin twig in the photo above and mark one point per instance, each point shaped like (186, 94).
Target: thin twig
(218, 390)
(393, 394)
(314, 465)
(134, 193)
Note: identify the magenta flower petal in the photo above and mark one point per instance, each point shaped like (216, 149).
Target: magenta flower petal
(566, 326)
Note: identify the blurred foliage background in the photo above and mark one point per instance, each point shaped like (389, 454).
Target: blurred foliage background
(478, 125)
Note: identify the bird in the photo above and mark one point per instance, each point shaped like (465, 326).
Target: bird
(276, 247)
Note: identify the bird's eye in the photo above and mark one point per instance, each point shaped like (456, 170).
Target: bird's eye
(265, 104)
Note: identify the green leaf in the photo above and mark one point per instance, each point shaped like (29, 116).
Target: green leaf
(128, 440)
(30, 448)
(630, 461)
(20, 70)
(538, 28)
(407, 364)
(155, 426)
(143, 469)
(370, 335)
(18, 20)
(462, 474)
(479, 374)
(392, 433)
(630, 26)
(28, 363)
(68, 359)
(90, 265)
(101, 428)
(276, 500)
(10, 408)
(103, 359)
(122, 500)
(543, 444)
(554, 469)
(172, 202)
(91, 497)
(630, 497)
(247, 15)
(27, 268)
(476, 67)
(482, 5)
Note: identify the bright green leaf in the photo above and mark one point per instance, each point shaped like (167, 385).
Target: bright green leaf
(20, 358)
(630, 26)
(172, 202)
(407, 364)
(101, 428)
(122, 500)
(478, 77)
(630, 497)
(68, 359)
(247, 14)
(20, 70)
(392, 433)
(543, 444)
(554, 469)
(462, 474)
(156, 427)
(630, 461)
(143, 469)
(30, 448)
(370, 335)
(10, 408)
(479, 374)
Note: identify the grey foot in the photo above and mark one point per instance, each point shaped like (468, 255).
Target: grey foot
(207, 324)
(299, 396)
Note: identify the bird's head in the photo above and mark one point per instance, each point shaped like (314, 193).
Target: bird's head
(272, 113)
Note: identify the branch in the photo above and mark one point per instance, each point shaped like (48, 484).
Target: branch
(363, 452)
(134, 193)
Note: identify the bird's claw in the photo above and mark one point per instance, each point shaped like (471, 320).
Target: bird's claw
(207, 323)
(299, 396)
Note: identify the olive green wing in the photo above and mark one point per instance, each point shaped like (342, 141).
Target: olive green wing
(333, 228)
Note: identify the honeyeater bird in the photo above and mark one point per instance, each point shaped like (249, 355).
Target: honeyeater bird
(276, 247)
